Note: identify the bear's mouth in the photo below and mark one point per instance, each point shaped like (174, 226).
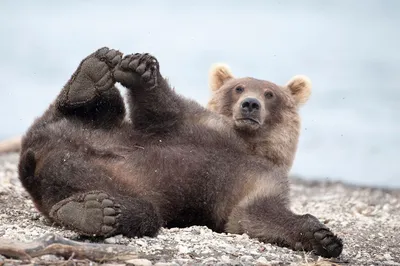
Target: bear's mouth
(249, 120)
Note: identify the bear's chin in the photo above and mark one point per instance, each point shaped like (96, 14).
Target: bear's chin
(247, 124)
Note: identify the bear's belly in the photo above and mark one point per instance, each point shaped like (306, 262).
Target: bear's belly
(186, 182)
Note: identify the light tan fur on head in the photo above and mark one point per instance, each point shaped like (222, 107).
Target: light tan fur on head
(300, 87)
(219, 74)
(277, 142)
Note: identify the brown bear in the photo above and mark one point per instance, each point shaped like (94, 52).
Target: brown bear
(171, 164)
(265, 115)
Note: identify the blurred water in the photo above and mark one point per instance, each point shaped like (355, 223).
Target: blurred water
(350, 50)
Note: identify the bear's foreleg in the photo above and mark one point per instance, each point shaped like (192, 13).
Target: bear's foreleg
(269, 220)
(154, 105)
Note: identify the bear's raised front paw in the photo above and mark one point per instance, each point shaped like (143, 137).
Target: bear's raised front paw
(93, 76)
(144, 67)
(318, 238)
(92, 213)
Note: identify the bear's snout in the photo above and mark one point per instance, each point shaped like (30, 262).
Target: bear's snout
(250, 105)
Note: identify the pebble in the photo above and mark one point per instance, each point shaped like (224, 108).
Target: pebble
(110, 240)
(387, 256)
(209, 260)
(225, 258)
(261, 261)
(139, 262)
(141, 243)
(183, 249)
(49, 257)
(246, 259)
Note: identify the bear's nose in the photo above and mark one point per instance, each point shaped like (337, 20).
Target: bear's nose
(250, 105)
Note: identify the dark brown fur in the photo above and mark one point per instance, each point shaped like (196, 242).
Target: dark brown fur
(87, 168)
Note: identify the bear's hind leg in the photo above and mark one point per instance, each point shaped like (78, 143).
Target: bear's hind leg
(98, 213)
(90, 94)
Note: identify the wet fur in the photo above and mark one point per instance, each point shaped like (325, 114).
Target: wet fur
(175, 164)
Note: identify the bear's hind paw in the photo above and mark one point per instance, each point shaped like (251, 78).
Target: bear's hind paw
(92, 213)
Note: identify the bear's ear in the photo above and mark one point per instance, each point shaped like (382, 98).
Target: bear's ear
(218, 75)
(300, 87)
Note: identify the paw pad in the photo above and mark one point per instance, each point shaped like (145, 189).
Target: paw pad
(92, 78)
(144, 65)
(94, 213)
(110, 56)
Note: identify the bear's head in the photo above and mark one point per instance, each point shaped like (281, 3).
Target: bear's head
(263, 113)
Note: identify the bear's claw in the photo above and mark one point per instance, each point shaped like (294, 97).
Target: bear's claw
(326, 244)
(92, 213)
(110, 56)
(317, 237)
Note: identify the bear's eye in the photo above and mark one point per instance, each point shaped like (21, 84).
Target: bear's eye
(268, 95)
(239, 89)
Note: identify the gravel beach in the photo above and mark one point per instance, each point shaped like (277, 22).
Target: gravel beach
(368, 220)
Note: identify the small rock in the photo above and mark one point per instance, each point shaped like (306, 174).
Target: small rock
(157, 247)
(139, 262)
(245, 259)
(210, 261)
(141, 243)
(110, 240)
(387, 256)
(254, 253)
(49, 257)
(261, 261)
(182, 261)
(205, 250)
(183, 249)
(268, 248)
(225, 258)
(162, 237)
